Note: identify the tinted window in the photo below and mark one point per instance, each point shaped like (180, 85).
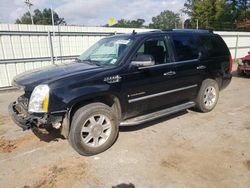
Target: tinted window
(155, 48)
(186, 47)
(214, 46)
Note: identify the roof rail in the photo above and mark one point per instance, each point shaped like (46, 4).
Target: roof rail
(184, 30)
(160, 30)
(195, 30)
(167, 29)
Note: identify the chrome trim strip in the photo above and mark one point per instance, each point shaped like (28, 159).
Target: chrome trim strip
(162, 93)
(166, 64)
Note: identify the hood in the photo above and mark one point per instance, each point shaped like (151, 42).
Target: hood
(45, 75)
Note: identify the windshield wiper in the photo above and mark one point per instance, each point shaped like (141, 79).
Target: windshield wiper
(78, 60)
(88, 61)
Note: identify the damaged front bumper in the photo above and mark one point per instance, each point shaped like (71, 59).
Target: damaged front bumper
(24, 119)
(27, 120)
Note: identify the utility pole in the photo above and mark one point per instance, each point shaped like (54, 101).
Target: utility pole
(52, 14)
(53, 24)
(29, 4)
(197, 24)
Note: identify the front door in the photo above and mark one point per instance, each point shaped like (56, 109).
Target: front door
(150, 88)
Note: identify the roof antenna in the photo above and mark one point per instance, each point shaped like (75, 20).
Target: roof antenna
(133, 32)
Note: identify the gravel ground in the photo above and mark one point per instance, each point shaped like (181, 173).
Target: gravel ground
(188, 149)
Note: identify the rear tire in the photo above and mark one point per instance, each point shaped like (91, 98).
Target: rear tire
(208, 96)
(94, 129)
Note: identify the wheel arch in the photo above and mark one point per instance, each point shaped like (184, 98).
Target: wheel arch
(215, 76)
(110, 100)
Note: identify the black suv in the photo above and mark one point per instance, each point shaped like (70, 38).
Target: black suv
(124, 80)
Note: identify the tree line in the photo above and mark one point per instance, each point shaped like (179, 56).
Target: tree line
(41, 18)
(217, 14)
(166, 19)
(208, 14)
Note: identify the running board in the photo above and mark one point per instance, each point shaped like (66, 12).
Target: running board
(155, 115)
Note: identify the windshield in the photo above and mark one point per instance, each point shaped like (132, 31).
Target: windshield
(107, 51)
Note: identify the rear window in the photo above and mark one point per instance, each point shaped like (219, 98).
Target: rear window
(214, 46)
(186, 47)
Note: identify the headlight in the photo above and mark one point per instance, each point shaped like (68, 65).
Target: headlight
(39, 99)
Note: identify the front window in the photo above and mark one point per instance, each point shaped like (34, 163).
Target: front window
(157, 49)
(107, 51)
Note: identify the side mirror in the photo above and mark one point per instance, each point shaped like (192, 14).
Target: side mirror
(249, 52)
(143, 60)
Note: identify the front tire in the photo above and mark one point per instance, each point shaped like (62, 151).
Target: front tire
(94, 129)
(208, 96)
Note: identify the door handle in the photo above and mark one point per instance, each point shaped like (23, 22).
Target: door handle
(201, 67)
(170, 73)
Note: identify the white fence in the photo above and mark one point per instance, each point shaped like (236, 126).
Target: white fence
(26, 47)
(237, 42)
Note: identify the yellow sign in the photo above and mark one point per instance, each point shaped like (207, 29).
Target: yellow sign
(111, 21)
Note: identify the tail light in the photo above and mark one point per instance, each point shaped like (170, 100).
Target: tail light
(230, 64)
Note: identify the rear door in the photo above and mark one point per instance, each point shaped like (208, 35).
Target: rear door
(190, 71)
(215, 54)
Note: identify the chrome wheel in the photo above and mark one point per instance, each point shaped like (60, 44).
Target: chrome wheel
(96, 130)
(209, 97)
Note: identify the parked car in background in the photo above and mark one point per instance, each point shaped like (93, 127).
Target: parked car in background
(124, 80)
(244, 65)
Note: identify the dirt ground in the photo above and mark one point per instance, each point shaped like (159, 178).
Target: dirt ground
(189, 149)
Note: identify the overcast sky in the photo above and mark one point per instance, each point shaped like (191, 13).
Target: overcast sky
(91, 12)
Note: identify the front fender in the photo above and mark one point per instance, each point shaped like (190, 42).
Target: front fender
(64, 98)
(86, 93)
